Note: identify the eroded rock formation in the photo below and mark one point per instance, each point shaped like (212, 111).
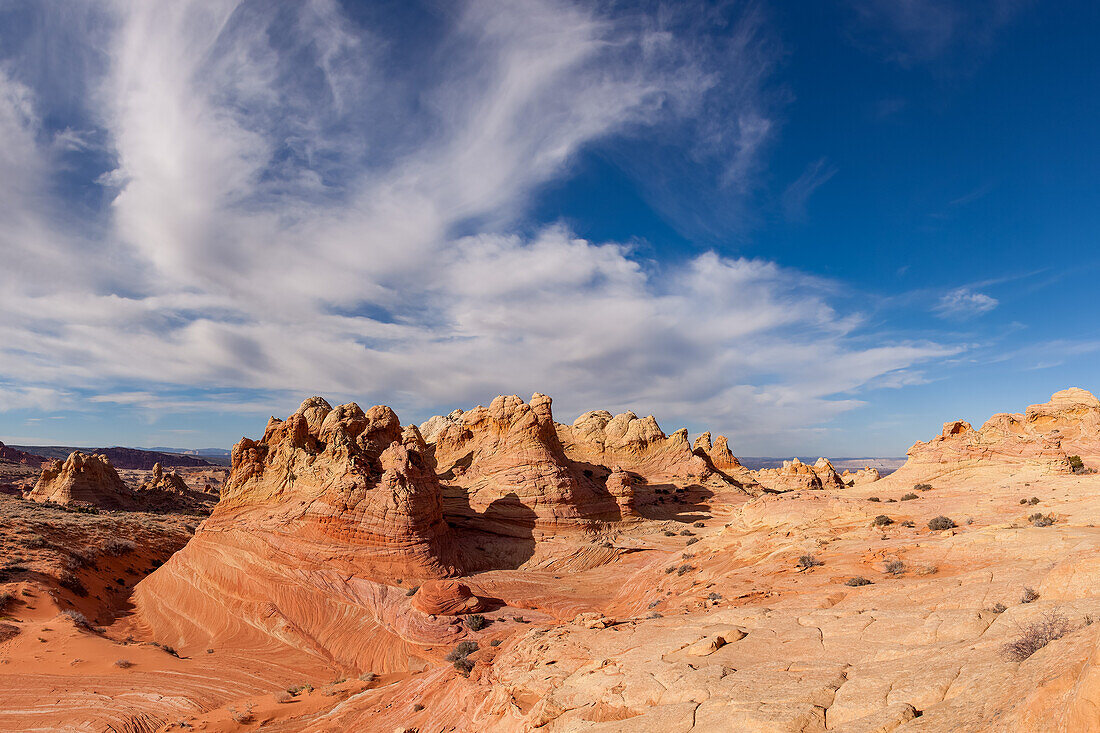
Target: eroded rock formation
(794, 475)
(1044, 435)
(83, 479)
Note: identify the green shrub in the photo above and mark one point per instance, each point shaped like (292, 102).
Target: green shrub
(1076, 464)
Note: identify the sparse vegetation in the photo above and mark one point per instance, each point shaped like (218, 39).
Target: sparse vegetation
(873, 498)
(494, 642)
(123, 663)
(1076, 464)
(167, 649)
(78, 618)
(692, 541)
(299, 689)
(909, 497)
(998, 607)
(417, 707)
(6, 599)
(857, 581)
(927, 570)
(894, 567)
(908, 523)
(669, 533)
(699, 524)
(118, 546)
(71, 582)
(282, 697)
(1050, 627)
(684, 569)
(412, 591)
(922, 487)
(686, 533)
(882, 521)
(1023, 501)
(1033, 500)
(475, 622)
(243, 715)
(712, 596)
(368, 677)
(459, 656)
(670, 569)
(808, 561)
(1029, 595)
(1041, 520)
(940, 523)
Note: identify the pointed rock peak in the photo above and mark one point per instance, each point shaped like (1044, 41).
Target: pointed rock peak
(703, 442)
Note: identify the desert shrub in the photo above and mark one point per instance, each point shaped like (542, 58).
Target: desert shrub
(475, 622)
(669, 533)
(118, 546)
(464, 665)
(243, 715)
(35, 542)
(462, 650)
(1028, 595)
(699, 524)
(1041, 520)
(1051, 626)
(909, 497)
(927, 570)
(882, 521)
(670, 569)
(368, 677)
(1023, 501)
(494, 642)
(891, 501)
(282, 696)
(857, 581)
(687, 533)
(908, 523)
(940, 522)
(922, 487)
(808, 561)
(1076, 464)
(417, 707)
(894, 567)
(123, 663)
(6, 599)
(167, 649)
(78, 618)
(71, 582)
(1033, 500)
(712, 596)
(692, 541)
(299, 689)
(873, 498)
(998, 607)
(412, 591)
(684, 569)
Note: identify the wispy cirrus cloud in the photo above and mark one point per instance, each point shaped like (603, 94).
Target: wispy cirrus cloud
(300, 203)
(964, 303)
(800, 189)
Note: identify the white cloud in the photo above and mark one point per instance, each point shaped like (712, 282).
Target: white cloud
(964, 303)
(275, 229)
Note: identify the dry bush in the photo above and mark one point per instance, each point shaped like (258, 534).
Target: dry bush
(299, 689)
(117, 546)
(412, 591)
(692, 541)
(244, 715)
(417, 707)
(684, 569)
(1051, 626)
(882, 521)
(6, 599)
(998, 607)
(462, 650)
(123, 663)
(1033, 500)
(808, 561)
(69, 581)
(669, 533)
(475, 622)
(368, 677)
(909, 497)
(494, 642)
(1039, 519)
(927, 570)
(939, 523)
(873, 498)
(699, 524)
(78, 618)
(1029, 595)
(282, 696)
(670, 569)
(894, 567)
(922, 487)
(857, 581)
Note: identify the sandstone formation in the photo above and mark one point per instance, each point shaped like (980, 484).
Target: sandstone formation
(1045, 435)
(863, 476)
(446, 598)
(83, 479)
(830, 479)
(159, 481)
(794, 475)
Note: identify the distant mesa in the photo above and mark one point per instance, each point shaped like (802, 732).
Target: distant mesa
(1045, 436)
(121, 458)
(14, 455)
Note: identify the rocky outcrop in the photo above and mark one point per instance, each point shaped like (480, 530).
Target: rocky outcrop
(83, 479)
(794, 475)
(1046, 435)
(865, 475)
(830, 479)
(509, 474)
(159, 481)
(446, 598)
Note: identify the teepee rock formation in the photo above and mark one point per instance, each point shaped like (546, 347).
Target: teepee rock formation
(83, 479)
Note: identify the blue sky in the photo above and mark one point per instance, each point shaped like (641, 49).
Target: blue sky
(818, 228)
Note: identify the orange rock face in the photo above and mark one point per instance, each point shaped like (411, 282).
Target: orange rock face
(83, 479)
(446, 598)
(793, 476)
(1046, 435)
